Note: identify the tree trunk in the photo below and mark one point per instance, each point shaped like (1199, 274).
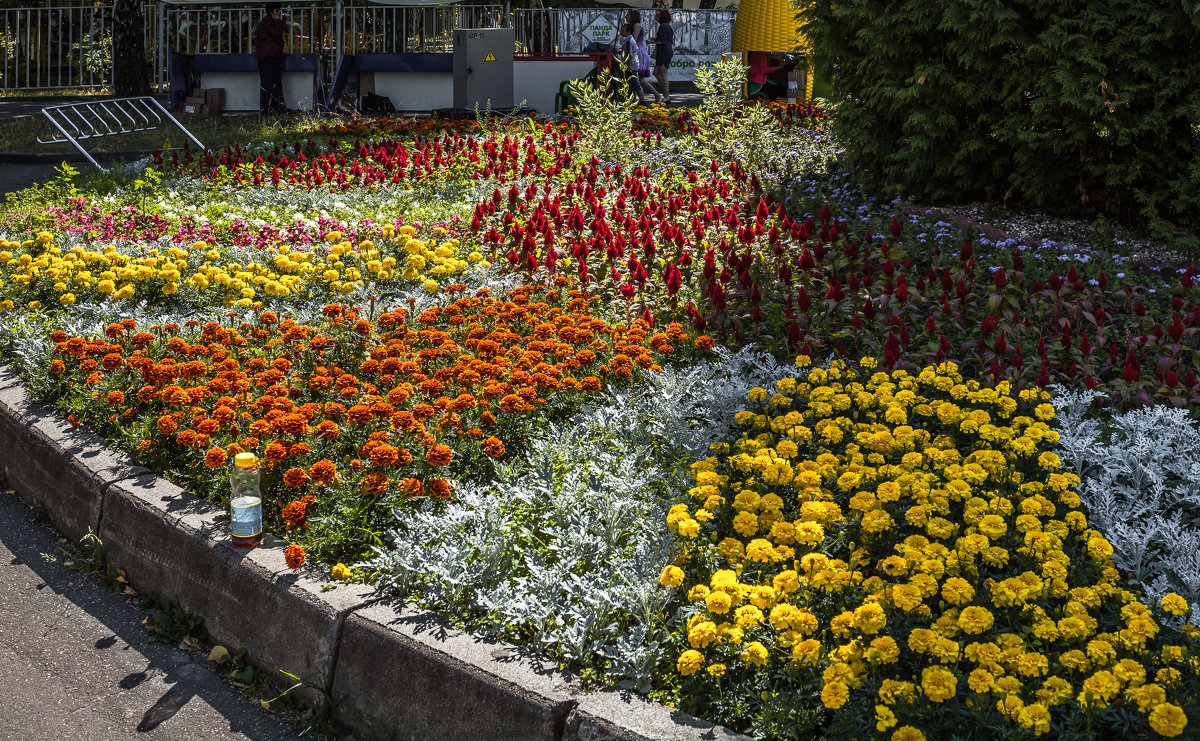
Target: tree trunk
(130, 72)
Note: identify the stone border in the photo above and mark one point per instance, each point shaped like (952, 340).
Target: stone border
(394, 672)
(72, 157)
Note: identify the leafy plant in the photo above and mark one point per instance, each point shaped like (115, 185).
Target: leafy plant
(1055, 105)
(605, 117)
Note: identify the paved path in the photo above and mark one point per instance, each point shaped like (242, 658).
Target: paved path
(77, 664)
(19, 177)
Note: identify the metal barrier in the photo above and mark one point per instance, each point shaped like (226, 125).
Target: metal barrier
(71, 47)
(79, 121)
(61, 47)
(401, 30)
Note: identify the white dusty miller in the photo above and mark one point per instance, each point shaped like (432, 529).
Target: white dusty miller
(1140, 475)
(567, 546)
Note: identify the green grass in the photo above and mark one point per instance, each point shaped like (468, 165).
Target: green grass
(21, 135)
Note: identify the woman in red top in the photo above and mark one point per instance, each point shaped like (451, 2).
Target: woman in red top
(268, 47)
(757, 81)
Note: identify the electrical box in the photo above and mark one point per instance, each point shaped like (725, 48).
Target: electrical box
(483, 68)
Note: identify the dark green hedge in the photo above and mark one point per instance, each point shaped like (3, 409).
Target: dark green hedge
(1082, 108)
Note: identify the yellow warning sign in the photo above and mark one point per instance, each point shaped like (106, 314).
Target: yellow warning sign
(490, 56)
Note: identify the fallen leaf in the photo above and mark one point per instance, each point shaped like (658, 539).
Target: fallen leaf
(218, 653)
(190, 643)
(129, 592)
(266, 705)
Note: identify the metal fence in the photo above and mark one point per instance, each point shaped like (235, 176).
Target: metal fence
(71, 47)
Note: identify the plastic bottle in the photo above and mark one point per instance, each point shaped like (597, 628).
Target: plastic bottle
(245, 501)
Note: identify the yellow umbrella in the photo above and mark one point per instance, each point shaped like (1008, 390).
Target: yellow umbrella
(766, 25)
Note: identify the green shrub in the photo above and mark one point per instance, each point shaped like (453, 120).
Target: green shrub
(1077, 107)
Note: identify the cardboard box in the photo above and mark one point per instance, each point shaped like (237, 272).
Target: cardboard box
(797, 84)
(191, 108)
(215, 96)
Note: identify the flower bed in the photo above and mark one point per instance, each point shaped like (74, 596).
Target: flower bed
(486, 366)
(895, 542)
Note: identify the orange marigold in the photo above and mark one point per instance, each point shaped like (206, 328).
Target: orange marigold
(439, 455)
(412, 487)
(493, 446)
(215, 458)
(115, 398)
(295, 514)
(375, 484)
(384, 455)
(322, 472)
(276, 452)
(439, 488)
(294, 555)
(295, 477)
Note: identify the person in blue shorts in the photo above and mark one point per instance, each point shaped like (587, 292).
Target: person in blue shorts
(627, 58)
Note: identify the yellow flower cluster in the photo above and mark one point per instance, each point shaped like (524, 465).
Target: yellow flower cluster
(37, 273)
(909, 540)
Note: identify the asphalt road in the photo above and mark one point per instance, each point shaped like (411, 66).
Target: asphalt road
(19, 177)
(77, 664)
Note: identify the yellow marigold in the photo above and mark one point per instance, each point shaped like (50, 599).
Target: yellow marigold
(980, 681)
(1168, 720)
(748, 616)
(834, 695)
(702, 634)
(907, 597)
(761, 551)
(957, 591)
(1173, 604)
(938, 684)
(884, 718)
(1034, 718)
(1148, 696)
(975, 620)
(340, 572)
(870, 618)
(672, 576)
(907, 733)
(755, 654)
(1099, 689)
(718, 603)
(883, 650)
(716, 670)
(689, 662)
(807, 652)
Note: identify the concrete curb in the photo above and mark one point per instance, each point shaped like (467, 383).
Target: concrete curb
(73, 158)
(394, 672)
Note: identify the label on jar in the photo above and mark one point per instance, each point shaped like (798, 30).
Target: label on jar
(247, 516)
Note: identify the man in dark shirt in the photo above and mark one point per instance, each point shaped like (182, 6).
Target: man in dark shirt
(268, 47)
(664, 51)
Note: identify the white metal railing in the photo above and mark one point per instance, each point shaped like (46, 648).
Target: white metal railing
(78, 122)
(396, 29)
(71, 47)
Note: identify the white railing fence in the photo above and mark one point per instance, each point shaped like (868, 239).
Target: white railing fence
(71, 47)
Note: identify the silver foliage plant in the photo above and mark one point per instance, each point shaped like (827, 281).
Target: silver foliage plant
(566, 547)
(1140, 475)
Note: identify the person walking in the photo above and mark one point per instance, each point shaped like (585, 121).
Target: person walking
(664, 51)
(643, 72)
(627, 58)
(268, 48)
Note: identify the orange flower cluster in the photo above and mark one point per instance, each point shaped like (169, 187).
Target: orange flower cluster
(350, 406)
(294, 556)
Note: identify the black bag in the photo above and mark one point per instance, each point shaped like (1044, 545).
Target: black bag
(372, 103)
